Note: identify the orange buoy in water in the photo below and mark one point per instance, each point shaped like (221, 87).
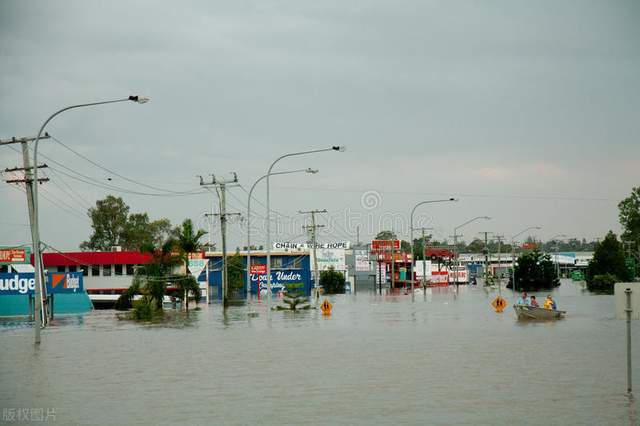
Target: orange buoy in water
(326, 307)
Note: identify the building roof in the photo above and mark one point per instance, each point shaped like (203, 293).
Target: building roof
(257, 253)
(95, 258)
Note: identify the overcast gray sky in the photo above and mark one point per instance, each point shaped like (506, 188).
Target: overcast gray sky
(526, 111)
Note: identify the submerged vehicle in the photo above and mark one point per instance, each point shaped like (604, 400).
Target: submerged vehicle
(526, 312)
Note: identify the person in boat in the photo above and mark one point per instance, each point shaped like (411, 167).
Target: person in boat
(549, 303)
(523, 300)
(534, 302)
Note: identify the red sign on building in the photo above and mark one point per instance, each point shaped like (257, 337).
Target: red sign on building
(14, 255)
(258, 269)
(385, 245)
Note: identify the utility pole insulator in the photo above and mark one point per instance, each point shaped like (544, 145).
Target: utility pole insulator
(13, 139)
(40, 180)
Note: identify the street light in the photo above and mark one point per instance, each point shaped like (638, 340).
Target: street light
(513, 253)
(411, 236)
(308, 170)
(33, 202)
(312, 151)
(455, 240)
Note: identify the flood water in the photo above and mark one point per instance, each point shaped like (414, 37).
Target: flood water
(446, 358)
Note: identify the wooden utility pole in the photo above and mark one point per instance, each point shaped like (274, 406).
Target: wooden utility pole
(424, 257)
(222, 184)
(40, 316)
(312, 228)
(499, 239)
(486, 255)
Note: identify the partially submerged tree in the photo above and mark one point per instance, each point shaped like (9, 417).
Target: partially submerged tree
(332, 281)
(293, 301)
(535, 271)
(150, 281)
(608, 259)
(188, 241)
(629, 216)
(235, 274)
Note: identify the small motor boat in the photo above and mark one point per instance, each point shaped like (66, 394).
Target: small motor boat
(534, 313)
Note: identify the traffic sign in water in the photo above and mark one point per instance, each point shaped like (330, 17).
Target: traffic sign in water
(325, 307)
(499, 303)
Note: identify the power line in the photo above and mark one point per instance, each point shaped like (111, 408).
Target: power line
(95, 182)
(505, 196)
(80, 197)
(155, 188)
(69, 195)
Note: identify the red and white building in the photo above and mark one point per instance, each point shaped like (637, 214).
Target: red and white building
(107, 274)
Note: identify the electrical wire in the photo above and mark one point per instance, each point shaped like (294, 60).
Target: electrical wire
(95, 182)
(155, 188)
(79, 197)
(448, 194)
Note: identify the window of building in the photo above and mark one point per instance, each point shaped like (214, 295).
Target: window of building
(106, 270)
(215, 265)
(295, 263)
(95, 270)
(85, 270)
(256, 261)
(73, 268)
(130, 270)
(276, 263)
(118, 269)
(60, 269)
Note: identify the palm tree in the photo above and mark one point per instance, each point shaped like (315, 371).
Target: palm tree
(150, 279)
(187, 241)
(154, 274)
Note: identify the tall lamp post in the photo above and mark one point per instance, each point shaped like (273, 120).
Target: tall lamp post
(33, 214)
(308, 170)
(413, 260)
(557, 250)
(455, 241)
(312, 151)
(513, 253)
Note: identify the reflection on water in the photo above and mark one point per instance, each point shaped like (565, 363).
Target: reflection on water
(446, 358)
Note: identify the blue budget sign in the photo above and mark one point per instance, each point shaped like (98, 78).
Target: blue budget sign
(25, 283)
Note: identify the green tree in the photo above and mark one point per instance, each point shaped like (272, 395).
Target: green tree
(109, 223)
(475, 246)
(188, 241)
(139, 232)
(332, 281)
(535, 271)
(235, 274)
(150, 280)
(608, 258)
(113, 226)
(386, 235)
(629, 215)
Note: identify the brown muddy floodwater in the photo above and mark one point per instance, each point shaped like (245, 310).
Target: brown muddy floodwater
(446, 358)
